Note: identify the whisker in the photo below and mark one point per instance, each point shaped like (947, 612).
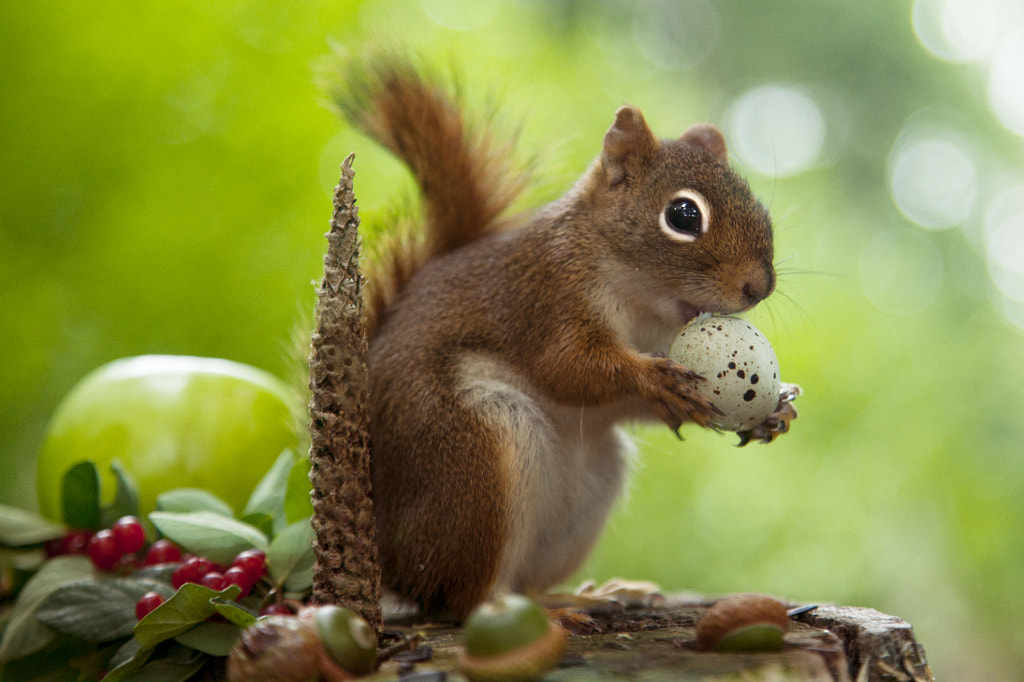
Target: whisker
(822, 273)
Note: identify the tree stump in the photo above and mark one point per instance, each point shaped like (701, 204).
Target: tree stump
(826, 644)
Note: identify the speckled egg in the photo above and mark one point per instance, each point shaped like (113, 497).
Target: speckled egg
(739, 365)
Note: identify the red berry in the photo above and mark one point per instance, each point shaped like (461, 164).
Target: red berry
(162, 552)
(253, 562)
(236, 575)
(103, 550)
(276, 609)
(191, 570)
(129, 533)
(198, 566)
(76, 542)
(147, 603)
(215, 580)
(180, 576)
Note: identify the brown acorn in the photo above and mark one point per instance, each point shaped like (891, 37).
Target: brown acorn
(276, 649)
(743, 622)
(328, 643)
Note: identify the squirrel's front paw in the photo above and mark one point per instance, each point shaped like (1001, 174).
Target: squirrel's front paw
(675, 400)
(777, 423)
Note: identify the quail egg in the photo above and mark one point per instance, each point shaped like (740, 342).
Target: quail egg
(738, 364)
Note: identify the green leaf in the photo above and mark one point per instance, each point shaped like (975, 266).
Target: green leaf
(80, 496)
(216, 537)
(97, 609)
(24, 634)
(128, 660)
(238, 615)
(173, 663)
(297, 503)
(190, 605)
(192, 500)
(263, 522)
(290, 557)
(126, 498)
(215, 639)
(19, 527)
(269, 494)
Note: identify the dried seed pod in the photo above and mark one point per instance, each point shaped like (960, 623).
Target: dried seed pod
(510, 638)
(743, 622)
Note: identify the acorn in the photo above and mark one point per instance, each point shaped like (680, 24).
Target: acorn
(349, 639)
(510, 638)
(743, 623)
(276, 649)
(327, 642)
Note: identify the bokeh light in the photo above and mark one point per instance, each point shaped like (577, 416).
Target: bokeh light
(933, 178)
(1003, 232)
(776, 129)
(956, 30)
(1006, 82)
(989, 33)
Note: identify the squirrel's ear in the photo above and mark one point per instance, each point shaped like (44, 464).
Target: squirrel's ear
(628, 140)
(709, 137)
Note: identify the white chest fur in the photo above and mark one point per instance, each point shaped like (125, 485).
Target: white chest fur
(565, 465)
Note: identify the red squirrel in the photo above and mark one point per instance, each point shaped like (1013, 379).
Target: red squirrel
(504, 352)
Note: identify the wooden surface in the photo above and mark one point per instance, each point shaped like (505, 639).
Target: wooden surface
(828, 644)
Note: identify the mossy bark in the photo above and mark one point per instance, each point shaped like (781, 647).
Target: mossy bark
(346, 570)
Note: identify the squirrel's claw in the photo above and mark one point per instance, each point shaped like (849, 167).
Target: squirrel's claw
(674, 400)
(776, 423)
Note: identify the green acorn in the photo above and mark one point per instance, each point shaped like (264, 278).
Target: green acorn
(346, 637)
(510, 638)
(328, 643)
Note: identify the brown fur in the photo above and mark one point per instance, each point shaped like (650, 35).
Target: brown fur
(503, 360)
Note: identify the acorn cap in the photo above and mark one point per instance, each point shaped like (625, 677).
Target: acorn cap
(510, 638)
(743, 622)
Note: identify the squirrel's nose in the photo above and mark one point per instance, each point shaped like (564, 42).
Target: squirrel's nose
(759, 285)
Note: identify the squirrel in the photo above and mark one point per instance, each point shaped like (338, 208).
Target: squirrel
(504, 352)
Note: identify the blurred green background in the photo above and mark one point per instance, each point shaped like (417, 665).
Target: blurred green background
(165, 180)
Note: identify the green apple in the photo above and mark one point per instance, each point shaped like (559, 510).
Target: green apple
(170, 422)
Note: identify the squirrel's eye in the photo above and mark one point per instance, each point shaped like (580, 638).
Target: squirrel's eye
(684, 216)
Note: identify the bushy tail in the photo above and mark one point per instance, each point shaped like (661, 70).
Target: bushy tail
(466, 178)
